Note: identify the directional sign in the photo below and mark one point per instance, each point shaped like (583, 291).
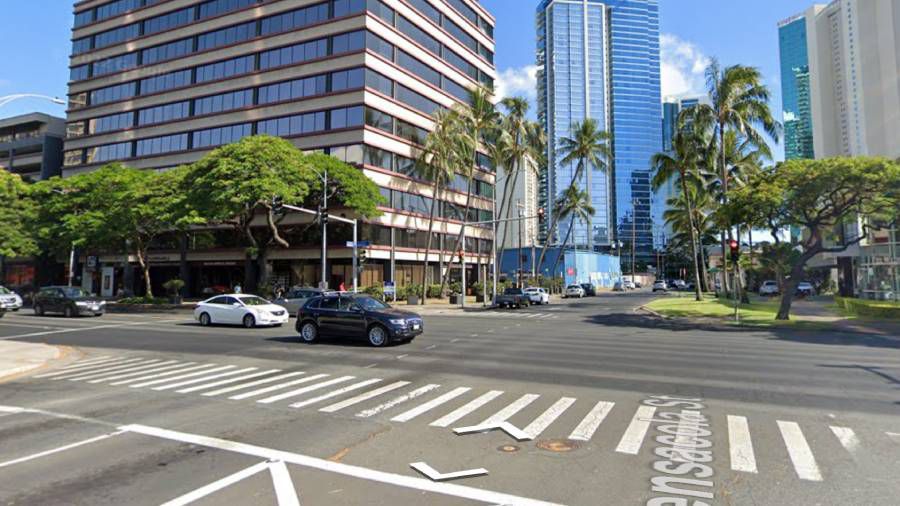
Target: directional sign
(359, 244)
(513, 431)
(434, 475)
(389, 287)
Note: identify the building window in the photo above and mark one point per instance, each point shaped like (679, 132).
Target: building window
(379, 83)
(378, 8)
(164, 144)
(73, 157)
(216, 7)
(109, 152)
(380, 46)
(417, 101)
(113, 93)
(79, 73)
(167, 51)
(418, 68)
(299, 124)
(227, 68)
(347, 79)
(111, 122)
(298, 88)
(295, 19)
(226, 36)
(223, 102)
(121, 34)
(163, 113)
(412, 31)
(165, 82)
(168, 21)
(346, 117)
(75, 129)
(115, 64)
(379, 120)
(221, 135)
(118, 7)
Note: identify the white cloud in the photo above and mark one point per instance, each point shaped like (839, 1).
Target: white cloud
(520, 81)
(682, 65)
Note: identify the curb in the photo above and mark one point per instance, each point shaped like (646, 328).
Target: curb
(14, 373)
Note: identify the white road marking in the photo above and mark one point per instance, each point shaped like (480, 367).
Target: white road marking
(847, 437)
(95, 366)
(363, 397)
(335, 393)
(215, 486)
(285, 493)
(137, 366)
(162, 366)
(91, 361)
(226, 381)
(799, 451)
(741, 445)
(402, 356)
(514, 407)
(420, 484)
(634, 435)
(434, 475)
(183, 376)
(253, 384)
(59, 449)
(254, 393)
(109, 370)
(893, 435)
(170, 386)
(546, 418)
(397, 400)
(428, 406)
(184, 368)
(301, 391)
(83, 329)
(464, 410)
(589, 424)
(513, 431)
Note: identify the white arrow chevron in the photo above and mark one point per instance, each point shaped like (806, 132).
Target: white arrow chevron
(434, 475)
(513, 431)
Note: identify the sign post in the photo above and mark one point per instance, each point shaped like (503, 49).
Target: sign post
(390, 289)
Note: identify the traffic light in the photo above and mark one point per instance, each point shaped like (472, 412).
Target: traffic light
(540, 214)
(277, 205)
(735, 249)
(361, 258)
(323, 216)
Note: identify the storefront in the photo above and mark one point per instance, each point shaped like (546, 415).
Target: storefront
(878, 268)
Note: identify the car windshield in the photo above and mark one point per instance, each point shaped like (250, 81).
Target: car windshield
(74, 292)
(254, 301)
(512, 291)
(574, 287)
(370, 304)
(4, 291)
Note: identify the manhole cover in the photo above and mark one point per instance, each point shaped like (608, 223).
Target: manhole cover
(557, 445)
(508, 448)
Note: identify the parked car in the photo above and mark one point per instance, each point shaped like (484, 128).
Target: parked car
(638, 285)
(356, 316)
(215, 290)
(537, 295)
(296, 297)
(768, 288)
(10, 299)
(660, 286)
(619, 286)
(805, 289)
(678, 284)
(68, 300)
(629, 284)
(513, 297)
(589, 289)
(240, 309)
(574, 291)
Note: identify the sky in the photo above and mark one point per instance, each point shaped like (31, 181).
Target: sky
(35, 37)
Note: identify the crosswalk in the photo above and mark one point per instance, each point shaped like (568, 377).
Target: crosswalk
(443, 406)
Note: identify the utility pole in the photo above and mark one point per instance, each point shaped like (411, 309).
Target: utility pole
(323, 218)
(633, 236)
(519, 206)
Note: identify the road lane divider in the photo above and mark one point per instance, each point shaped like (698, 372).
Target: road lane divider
(741, 445)
(799, 451)
(590, 423)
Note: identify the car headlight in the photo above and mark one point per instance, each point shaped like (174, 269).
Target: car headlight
(81, 304)
(102, 302)
(401, 323)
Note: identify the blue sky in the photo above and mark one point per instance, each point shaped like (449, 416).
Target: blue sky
(35, 37)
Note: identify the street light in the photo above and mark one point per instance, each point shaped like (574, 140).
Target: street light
(12, 98)
(72, 249)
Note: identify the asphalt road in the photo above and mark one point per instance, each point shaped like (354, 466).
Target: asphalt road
(609, 407)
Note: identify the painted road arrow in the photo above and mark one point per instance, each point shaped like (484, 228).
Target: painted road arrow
(434, 475)
(513, 431)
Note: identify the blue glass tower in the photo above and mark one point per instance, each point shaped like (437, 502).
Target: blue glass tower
(600, 59)
(795, 98)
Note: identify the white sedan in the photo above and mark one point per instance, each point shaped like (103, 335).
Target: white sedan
(575, 291)
(537, 295)
(240, 309)
(10, 299)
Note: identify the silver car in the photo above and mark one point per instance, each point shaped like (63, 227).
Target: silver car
(10, 299)
(296, 297)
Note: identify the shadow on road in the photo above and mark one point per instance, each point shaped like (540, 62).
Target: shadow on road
(644, 321)
(867, 368)
(835, 337)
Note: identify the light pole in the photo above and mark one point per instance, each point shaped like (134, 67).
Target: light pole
(12, 98)
(323, 218)
(72, 247)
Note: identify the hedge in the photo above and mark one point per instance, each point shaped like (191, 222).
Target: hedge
(869, 308)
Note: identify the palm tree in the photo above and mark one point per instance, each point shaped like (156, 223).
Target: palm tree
(574, 204)
(436, 163)
(515, 123)
(588, 147)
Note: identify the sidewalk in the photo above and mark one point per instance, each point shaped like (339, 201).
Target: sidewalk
(18, 358)
(817, 310)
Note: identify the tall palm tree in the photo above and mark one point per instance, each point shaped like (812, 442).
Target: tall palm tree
(436, 163)
(477, 122)
(588, 147)
(574, 204)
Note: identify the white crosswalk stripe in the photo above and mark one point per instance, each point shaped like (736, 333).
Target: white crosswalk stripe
(335, 393)
(137, 367)
(516, 406)
(162, 366)
(92, 367)
(634, 435)
(171, 386)
(243, 386)
(798, 449)
(741, 445)
(279, 386)
(471, 406)
(363, 397)
(428, 406)
(589, 424)
(535, 428)
(228, 381)
(78, 366)
(184, 368)
(110, 370)
(306, 389)
(397, 400)
(847, 438)
(183, 376)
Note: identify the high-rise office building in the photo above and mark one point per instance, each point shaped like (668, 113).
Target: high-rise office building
(160, 83)
(600, 59)
(795, 91)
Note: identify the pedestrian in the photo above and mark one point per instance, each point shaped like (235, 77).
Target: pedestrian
(342, 288)
(237, 288)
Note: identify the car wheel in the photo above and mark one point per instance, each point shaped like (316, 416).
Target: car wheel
(68, 312)
(249, 321)
(309, 332)
(378, 336)
(205, 320)
(38, 310)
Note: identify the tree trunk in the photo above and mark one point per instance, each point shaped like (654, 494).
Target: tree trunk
(562, 251)
(726, 285)
(445, 278)
(690, 210)
(145, 271)
(738, 274)
(428, 243)
(262, 262)
(553, 226)
(249, 274)
(787, 296)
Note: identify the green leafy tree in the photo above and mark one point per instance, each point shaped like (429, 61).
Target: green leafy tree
(16, 212)
(818, 196)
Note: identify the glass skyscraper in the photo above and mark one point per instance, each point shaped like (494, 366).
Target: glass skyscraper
(795, 92)
(600, 59)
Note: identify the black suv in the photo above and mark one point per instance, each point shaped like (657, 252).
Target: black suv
(356, 317)
(589, 290)
(68, 300)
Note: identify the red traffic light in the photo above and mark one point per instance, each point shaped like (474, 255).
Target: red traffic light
(540, 214)
(733, 244)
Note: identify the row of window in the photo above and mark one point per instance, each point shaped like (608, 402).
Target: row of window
(320, 121)
(108, 10)
(421, 204)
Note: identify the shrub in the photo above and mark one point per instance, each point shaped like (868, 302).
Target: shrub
(375, 291)
(869, 308)
(434, 291)
(455, 287)
(173, 286)
(143, 300)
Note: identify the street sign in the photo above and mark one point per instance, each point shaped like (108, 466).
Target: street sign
(389, 287)
(359, 244)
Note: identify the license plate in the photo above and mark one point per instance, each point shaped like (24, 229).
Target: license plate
(95, 308)
(416, 326)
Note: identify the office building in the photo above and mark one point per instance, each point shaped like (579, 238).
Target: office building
(795, 85)
(523, 192)
(31, 145)
(600, 59)
(157, 84)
